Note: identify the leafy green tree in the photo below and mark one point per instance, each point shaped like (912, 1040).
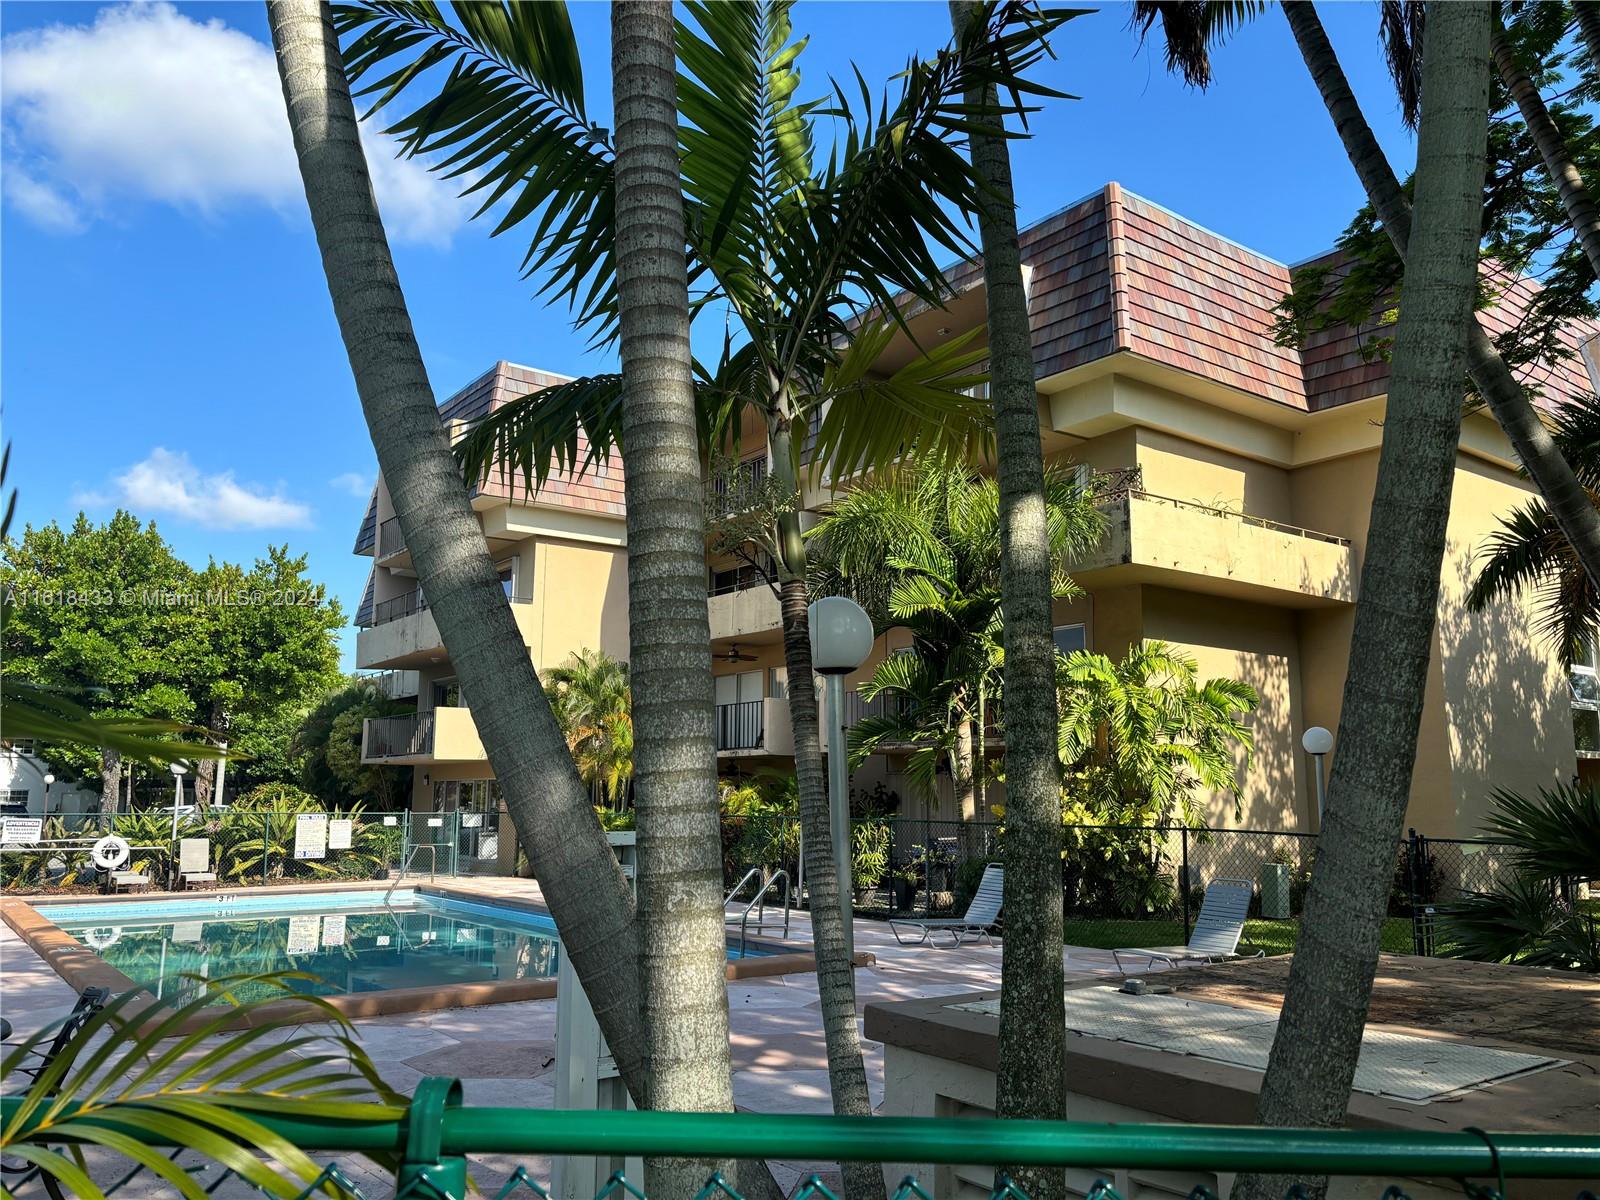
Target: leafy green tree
(593, 704)
(1143, 740)
(328, 749)
(93, 614)
(921, 549)
(264, 639)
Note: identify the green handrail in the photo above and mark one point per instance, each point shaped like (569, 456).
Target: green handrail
(438, 1128)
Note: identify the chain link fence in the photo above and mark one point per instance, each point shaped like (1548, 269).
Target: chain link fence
(242, 847)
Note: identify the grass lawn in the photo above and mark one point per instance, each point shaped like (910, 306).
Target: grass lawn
(1275, 937)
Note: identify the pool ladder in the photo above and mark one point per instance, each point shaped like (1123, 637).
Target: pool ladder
(758, 903)
(433, 866)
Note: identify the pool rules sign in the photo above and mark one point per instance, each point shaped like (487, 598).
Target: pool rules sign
(311, 835)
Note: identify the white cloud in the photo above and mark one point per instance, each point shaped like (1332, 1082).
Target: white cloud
(354, 482)
(147, 102)
(168, 482)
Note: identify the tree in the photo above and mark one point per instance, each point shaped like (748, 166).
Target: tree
(793, 251)
(1031, 1072)
(1314, 1052)
(923, 549)
(1140, 738)
(91, 614)
(263, 639)
(593, 704)
(682, 941)
(1529, 551)
(1188, 29)
(547, 802)
(327, 748)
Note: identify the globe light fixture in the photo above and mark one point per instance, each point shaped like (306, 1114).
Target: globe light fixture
(841, 639)
(1318, 742)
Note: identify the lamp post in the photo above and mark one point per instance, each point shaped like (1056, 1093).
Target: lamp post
(48, 780)
(1318, 742)
(841, 639)
(177, 799)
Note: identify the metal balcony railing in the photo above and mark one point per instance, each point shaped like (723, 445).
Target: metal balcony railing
(400, 737)
(391, 539)
(1114, 487)
(399, 606)
(740, 726)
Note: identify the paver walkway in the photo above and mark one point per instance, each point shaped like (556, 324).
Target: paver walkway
(504, 1053)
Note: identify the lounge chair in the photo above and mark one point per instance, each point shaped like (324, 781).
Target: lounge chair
(91, 1001)
(1216, 932)
(194, 863)
(982, 914)
(132, 881)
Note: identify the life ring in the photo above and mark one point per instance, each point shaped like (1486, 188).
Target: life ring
(103, 938)
(110, 852)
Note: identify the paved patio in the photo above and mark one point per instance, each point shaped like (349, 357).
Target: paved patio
(504, 1053)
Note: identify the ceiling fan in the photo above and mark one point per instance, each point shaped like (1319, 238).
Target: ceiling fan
(733, 656)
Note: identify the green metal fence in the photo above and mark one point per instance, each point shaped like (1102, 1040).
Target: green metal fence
(432, 1141)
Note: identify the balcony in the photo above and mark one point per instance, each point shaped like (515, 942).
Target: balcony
(438, 735)
(391, 543)
(752, 728)
(1164, 541)
(742, 610)
(403, 633)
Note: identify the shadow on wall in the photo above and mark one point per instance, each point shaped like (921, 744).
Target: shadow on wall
(1509, 721)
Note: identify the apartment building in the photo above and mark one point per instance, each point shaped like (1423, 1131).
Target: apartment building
(1236, 477)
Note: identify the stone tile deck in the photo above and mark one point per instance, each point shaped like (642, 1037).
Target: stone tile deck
(503, 1053)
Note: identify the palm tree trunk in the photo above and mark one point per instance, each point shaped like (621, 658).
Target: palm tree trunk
(1589, 28)
(1030, 1080)
(548, 804)
(836, 983)
(683, 945)
(1563, 172)
(110, 781)
(1313, 1057)
(962, 775)
(1530, 440)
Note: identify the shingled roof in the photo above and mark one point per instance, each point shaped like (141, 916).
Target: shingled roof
(1115, 273)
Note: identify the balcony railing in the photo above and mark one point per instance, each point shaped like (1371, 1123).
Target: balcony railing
(400, 737)
(391, 539)
(740, 726)
(1112, 487)
(399, 606)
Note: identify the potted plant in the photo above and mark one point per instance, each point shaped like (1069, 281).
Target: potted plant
(904, 882)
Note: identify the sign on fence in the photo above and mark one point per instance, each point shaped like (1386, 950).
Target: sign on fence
(311, 835)
(339, 832)
(304, 935)
(20, 831)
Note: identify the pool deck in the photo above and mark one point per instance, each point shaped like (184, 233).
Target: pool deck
(504, 1053)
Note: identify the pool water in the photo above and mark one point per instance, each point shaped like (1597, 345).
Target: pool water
(349, 941)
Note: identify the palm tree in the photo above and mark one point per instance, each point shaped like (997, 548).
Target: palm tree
(811, 261)
(580, 877)
(593, 703)
(1139, 738)
(1528, 551)
(1189, 28)
(1314, 1052)
(1031, 1071)
(923, 549)
(682, 943)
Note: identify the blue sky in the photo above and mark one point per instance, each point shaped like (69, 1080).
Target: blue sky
(168, 342)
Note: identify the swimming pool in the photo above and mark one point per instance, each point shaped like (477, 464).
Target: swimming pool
(348, 942)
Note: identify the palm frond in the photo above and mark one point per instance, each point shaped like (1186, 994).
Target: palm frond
(1556, 836)
(54, 717)
(1400, 26)
(1191, 29)
(195, 1070)
(569, 427)
(508, 119)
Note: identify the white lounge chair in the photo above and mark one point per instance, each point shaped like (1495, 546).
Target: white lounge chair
(1216, 932)
(194, 862)
(982, 914)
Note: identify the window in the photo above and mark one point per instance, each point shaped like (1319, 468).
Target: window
(1584, 680)
(1070, 638)
(20, 745)
(778, 682)
(14, 800)
(446, 694)
(508, 576)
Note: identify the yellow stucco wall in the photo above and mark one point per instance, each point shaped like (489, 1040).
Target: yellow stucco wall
(580, 601)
